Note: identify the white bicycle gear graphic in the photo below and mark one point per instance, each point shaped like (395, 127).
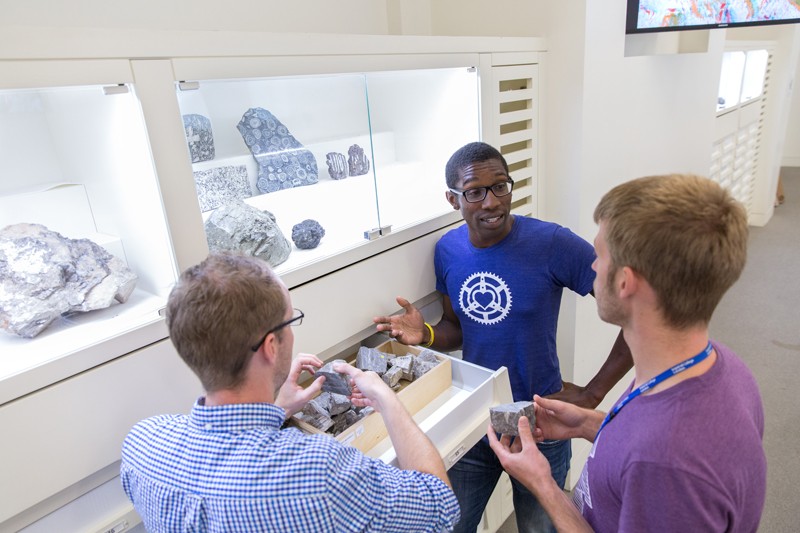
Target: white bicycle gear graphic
(485, 298)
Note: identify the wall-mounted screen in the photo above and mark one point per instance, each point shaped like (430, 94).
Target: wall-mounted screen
(669, 15)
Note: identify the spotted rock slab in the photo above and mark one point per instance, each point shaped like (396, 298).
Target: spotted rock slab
(283, 162)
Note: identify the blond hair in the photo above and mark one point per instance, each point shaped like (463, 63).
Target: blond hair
(685, 234)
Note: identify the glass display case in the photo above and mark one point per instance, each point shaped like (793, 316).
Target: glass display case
(741, 78)
(337, 160)
(76, 166)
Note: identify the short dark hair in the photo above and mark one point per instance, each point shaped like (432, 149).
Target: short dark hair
(468, 154)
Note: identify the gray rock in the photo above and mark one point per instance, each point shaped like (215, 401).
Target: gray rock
(422, 367)
(337, 165)
(339, 403)
(428, 356)
(505, 417)
(313, 414)
(44, 275)
(406, 364)
(357, 161)
(334, 381)
(283, 162)
(307, 234)
(199, 137)
(221, 185)
(392, 376)
(245, 229)
(371, 359)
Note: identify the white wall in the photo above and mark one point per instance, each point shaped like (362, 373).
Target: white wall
(791, 148)
(308, 16)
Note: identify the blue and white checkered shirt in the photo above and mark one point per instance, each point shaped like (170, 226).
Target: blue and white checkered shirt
(231, 468)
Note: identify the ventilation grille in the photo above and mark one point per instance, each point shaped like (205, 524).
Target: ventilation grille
(516, 122)
(734, 156)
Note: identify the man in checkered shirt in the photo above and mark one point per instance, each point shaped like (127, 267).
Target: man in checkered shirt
(229, 465)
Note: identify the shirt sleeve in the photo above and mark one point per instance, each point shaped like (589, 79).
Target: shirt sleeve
(657, 497)
(571, 261)
(369, 494)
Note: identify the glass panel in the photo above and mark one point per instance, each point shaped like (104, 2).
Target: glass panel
(76, 161)
(730, 81)
(419, 118)
(754, 69)
(297, 147)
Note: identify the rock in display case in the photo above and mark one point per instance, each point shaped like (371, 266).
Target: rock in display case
(295, 169)
(84, 250)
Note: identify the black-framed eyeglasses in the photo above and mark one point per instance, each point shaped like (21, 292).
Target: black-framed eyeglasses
(477, 194)
(296, 320)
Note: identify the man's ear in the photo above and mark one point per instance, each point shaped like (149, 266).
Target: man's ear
(453, 199)
(627, 282)
(269, 349)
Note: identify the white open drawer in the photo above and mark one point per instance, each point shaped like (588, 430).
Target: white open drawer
(457, 418)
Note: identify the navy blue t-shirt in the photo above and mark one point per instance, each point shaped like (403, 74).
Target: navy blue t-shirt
(507, 297)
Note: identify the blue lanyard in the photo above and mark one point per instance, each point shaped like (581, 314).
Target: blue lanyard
(677, 369)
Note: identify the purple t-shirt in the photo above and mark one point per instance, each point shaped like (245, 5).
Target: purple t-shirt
(689, 458)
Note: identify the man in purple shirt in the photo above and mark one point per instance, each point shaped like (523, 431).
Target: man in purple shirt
(682, 449)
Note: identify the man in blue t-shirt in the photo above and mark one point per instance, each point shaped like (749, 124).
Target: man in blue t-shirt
(501, 277)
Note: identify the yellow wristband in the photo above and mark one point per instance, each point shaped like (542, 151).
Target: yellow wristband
(430, 330)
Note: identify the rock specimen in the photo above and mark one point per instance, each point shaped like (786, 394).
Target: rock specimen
(428, 356)
(338, 403)
(307, 234)
(406, 364)
(283, 162)
(44, 275)
(370, 359)
(243, 228)
(337, 165)
(316, 414)
(392, 376)
(357, 162)
(334, 381)
(221, 185)
(505, 417)
(199, 137)
(422, 367)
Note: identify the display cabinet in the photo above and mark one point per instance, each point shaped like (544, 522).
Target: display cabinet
(360, 154)
(76, 161)
(131, 155)
(739, 121)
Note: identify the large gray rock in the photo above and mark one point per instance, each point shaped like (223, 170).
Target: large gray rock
(44, 275)
(505, 417)
(283, 162)
(245, 229)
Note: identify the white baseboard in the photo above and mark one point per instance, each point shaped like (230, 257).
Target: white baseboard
(790, 161)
